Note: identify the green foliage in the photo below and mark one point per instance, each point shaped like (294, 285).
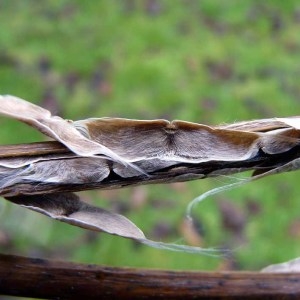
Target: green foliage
(202, 61)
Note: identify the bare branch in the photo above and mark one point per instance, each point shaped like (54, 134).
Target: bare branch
(28, 277)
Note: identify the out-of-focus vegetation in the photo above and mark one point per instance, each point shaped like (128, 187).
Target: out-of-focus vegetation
(202, 61)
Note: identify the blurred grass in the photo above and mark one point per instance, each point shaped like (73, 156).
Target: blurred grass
(202, 61)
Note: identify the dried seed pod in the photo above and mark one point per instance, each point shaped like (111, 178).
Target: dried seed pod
(114, 152)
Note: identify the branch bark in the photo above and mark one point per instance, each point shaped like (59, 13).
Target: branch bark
(29, 277)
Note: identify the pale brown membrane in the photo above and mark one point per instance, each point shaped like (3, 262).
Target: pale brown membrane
(135, 151)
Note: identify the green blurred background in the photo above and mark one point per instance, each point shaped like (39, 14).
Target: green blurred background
(203, 61)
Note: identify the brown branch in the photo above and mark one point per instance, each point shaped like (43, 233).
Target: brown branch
(33, 149)
(28, 277)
